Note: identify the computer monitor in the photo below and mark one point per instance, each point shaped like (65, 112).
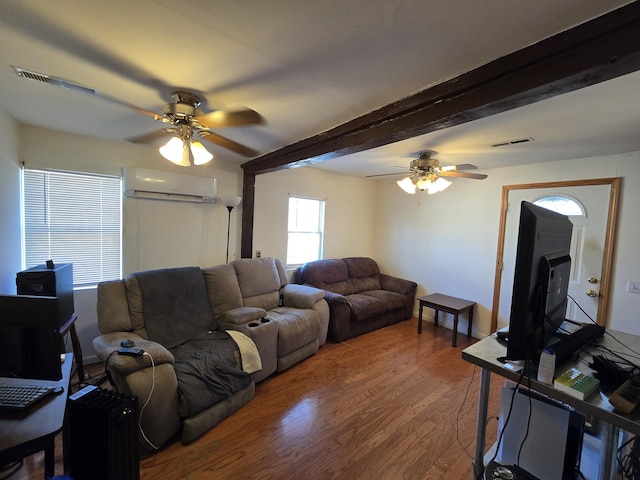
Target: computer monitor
(541, 280)
(30, 337)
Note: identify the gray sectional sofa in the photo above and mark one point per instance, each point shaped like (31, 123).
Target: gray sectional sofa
(209, 334)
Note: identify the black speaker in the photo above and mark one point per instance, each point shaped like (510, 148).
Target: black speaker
(56, 281)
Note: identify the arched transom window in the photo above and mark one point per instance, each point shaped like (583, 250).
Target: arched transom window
(562, 204)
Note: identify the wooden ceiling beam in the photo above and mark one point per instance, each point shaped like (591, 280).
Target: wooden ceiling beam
(595, 51)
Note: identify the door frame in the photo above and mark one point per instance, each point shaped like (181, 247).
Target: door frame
(607, 255)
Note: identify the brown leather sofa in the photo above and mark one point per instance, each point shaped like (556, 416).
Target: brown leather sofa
(360, 298)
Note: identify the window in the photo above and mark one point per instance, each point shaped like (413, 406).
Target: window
(73, 218)
(561, 204)
(306, 225)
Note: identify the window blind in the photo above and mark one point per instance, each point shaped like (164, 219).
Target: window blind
(73, 218)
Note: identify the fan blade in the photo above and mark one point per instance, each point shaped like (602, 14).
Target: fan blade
(153, 136)
(148, 113)
(387, 174)
(221, 119)
(227, 143)
(462, 166)
(466, 166)
(455, 173)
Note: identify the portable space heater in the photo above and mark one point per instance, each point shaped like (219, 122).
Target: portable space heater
(100, 436)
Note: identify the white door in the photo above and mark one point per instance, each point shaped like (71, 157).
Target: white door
(587, 247)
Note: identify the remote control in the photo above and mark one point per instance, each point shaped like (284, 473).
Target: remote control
(627, 396)
(131, 352)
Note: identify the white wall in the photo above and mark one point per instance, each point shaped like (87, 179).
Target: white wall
(156, 234)
(10, 218)
(447, 242)
(349, 211)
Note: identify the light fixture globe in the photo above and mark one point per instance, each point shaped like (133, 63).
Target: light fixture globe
(200, 154)
(230, 201)
(176, 152)
(439, 185)
(183, 150)
(407, 185)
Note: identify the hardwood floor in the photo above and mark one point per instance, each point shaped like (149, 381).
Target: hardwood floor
(390, 404)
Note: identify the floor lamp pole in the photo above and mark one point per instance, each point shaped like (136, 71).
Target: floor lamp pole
(229, 207)
(230, 202)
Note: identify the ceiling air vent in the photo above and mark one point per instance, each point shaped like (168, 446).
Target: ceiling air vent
(40, 77)
(512, 142)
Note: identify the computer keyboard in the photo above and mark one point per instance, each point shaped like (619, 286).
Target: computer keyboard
(22, 396)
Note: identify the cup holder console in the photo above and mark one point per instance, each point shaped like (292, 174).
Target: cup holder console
(262, 321)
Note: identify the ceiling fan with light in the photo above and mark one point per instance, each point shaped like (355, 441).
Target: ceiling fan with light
(185, 120)
(425, 173)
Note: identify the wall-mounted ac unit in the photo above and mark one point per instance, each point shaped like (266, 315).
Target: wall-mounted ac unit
(159, 185)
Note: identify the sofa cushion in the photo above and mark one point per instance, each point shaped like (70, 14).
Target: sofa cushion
(259, 282)
(391, 300)
(364, 307)
(364, 273)
(209, 370)
(330, 274)
(359, 267)
(113, 309)
(134, 299)
(223, 289)
(175, 304)
(364, 284)
(296, 328)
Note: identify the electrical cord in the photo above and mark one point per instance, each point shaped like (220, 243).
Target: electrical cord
(629, 463)
(526, 434)
(473, 374)
(16, 466)
(153, 383)
(506, 422)
(108, 373)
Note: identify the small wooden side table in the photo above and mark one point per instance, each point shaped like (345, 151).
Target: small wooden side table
(445, 303)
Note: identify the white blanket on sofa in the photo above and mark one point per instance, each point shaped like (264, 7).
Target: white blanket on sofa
(251, 362)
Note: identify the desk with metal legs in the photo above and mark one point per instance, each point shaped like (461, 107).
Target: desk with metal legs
(485, 354)
(34, 430)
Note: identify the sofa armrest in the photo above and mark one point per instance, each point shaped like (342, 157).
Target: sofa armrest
(301, 296)
(241, 315)
(335, 298)
(107, 345)
(395, 284)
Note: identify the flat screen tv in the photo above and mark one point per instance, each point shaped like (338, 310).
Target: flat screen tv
(541, 280)
(30, 337)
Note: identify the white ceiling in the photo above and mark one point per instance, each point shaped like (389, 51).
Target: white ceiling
(306, 66)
